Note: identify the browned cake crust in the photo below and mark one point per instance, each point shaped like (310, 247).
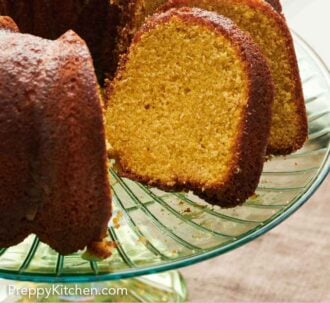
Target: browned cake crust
(132, 11)
(253, 136)
(16, 145)
(95, 21)
(300, 108)
(7, 23)
(276, 5)
(53, 166)
(106, 26)
(125, 24)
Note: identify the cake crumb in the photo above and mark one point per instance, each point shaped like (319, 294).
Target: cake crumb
(98, 251)
(143, 240)
(116, 220)
(254, 196)
(268, 158)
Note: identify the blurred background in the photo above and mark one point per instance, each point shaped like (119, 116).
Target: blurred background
(310, 19)
(292, 262)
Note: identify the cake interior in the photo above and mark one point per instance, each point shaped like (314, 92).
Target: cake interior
(272, 41)
(175, 111)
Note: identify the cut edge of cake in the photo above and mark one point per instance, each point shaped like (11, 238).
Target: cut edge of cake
(252, 139)
(266, 8)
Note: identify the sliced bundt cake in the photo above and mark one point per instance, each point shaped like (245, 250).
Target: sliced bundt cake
(53, 162)
(190, 107)
(269, 30)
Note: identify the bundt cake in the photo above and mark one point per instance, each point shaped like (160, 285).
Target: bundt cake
(270, 32)
(53, 162)
(95, 21)
(190, 107)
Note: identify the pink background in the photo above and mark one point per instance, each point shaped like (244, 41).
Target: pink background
(165, 316)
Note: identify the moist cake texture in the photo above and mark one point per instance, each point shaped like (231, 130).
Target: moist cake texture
(265, 23)
(270, 32)
(190, 107)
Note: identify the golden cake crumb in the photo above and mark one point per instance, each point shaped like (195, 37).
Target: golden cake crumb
(99, 250)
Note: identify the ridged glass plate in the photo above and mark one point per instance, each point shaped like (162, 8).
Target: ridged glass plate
(159, 231)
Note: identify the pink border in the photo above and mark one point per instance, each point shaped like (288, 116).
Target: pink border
(165, 316)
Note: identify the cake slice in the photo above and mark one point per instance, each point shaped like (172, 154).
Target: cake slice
(190, 107)
(270, 32)
(53, 161)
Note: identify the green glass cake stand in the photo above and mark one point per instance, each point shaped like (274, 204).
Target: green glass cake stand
(159, 232)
